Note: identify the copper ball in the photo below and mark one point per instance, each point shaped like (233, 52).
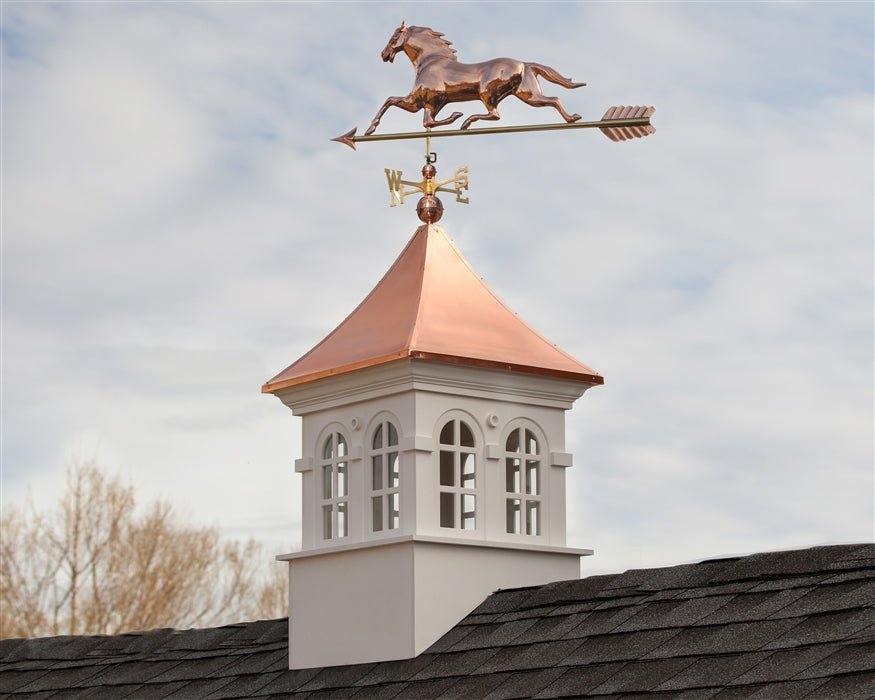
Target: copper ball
(430, 209)
(428, 170)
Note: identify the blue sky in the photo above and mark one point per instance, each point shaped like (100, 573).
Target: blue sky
(177, 228)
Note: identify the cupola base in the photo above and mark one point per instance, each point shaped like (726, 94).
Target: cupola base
(379, 602)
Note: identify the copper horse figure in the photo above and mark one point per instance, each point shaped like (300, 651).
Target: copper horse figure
(441, 78)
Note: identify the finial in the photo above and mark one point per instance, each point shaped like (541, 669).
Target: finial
(505, 77)
(429, 209)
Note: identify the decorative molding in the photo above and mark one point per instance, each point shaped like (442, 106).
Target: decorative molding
(493, 384)
(305, 464)
(433, 540)
(561, 459)
(355, 453)
(417, 443)
(493, 451)
(410, 374)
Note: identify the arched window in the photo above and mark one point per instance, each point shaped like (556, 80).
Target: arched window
(385, 479)
(458, 476)
(334, 467)
(523, 482)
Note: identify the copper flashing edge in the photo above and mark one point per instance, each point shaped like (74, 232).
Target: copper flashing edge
(596, 379)
(274, 387)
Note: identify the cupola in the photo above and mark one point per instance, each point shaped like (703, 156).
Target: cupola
(433, 461)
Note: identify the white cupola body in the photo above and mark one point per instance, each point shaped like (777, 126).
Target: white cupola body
(433, 465)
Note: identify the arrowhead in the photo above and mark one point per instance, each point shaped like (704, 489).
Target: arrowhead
(348, 138)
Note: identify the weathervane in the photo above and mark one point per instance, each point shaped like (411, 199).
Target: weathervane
(440, 79)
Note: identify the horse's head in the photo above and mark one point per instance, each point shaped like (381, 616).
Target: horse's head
(396, 44)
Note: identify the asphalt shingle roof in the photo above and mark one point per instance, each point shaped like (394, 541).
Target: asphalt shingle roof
(797, 624)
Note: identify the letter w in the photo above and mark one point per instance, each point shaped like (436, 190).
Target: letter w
(394, 178)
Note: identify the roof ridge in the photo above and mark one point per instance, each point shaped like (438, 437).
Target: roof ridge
(414, 327)
(352, 313)
(504, 305)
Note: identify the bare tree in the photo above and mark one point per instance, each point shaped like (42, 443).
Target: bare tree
(97, 565)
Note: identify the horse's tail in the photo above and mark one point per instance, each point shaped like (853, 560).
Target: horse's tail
(551, 75)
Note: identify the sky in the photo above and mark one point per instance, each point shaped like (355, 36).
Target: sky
(177, 227)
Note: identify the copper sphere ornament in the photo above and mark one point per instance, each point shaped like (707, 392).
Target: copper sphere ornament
(430, 209)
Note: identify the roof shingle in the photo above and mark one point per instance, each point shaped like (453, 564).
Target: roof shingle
(784, 624)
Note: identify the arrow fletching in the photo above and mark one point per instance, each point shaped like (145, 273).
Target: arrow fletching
(625, 133)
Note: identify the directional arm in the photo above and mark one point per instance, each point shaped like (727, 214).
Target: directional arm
(396, 193)
(460, 182)
(615, 127)
(428, 186)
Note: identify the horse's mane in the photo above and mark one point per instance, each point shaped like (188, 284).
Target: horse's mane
(438, 44)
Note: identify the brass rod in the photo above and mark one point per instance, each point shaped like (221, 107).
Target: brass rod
(642, 121)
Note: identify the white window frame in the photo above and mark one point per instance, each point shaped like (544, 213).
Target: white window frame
(454, 461)
(524, 495)
(384, 489)
(334, 463)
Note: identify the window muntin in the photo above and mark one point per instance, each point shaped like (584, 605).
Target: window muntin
(385, 478)
(457, 476)
(334, 467)
(523, 503)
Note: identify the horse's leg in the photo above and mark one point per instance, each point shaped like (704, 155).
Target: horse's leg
(529, 91)
(491, 115)
(430, 112)
(407, 103)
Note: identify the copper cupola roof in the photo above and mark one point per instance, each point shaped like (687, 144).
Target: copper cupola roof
(432, 305)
